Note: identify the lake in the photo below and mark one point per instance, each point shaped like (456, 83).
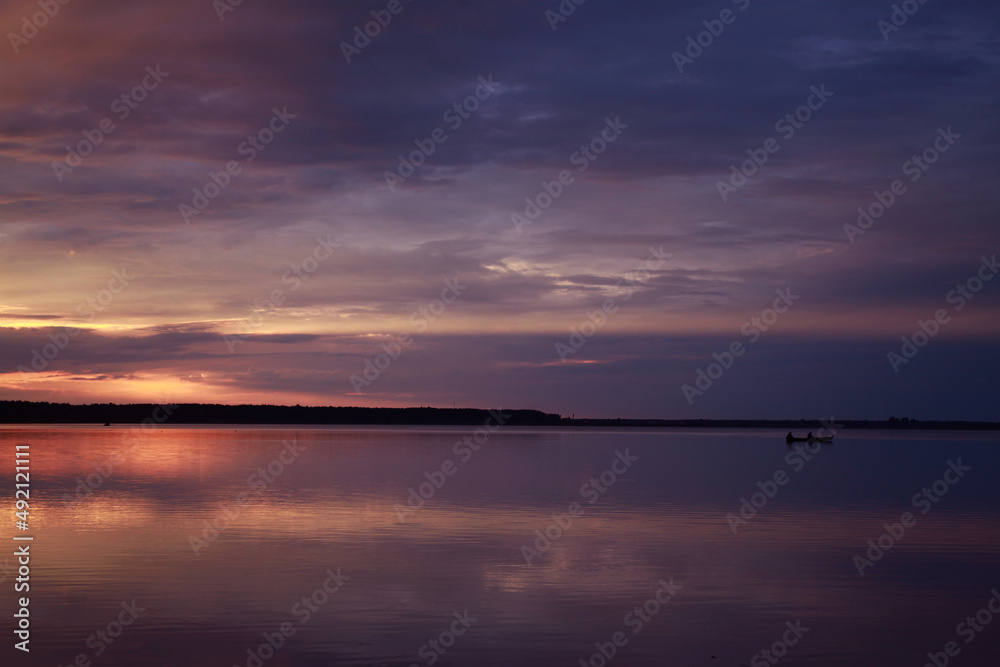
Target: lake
(509, 546)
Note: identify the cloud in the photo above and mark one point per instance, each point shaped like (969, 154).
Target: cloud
(324, 177)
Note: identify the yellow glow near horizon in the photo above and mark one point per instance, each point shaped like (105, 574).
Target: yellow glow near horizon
(156, 388)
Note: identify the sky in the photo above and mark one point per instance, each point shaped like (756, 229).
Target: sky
(640, 209)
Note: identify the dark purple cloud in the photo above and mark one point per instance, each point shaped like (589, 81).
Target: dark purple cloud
(656, 185)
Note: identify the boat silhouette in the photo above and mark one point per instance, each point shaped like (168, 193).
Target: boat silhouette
(809, 438)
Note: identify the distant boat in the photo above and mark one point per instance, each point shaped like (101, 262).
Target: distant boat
(809, 438)
(107, 423)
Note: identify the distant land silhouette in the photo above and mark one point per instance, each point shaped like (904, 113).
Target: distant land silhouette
(28, 412)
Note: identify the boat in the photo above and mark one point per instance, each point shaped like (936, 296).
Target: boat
(809, 438)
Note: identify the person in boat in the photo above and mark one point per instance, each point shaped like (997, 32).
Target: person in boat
(810, 435)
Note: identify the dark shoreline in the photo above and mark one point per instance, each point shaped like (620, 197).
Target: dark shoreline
(26, 412)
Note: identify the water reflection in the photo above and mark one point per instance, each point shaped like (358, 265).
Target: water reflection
(181, 524)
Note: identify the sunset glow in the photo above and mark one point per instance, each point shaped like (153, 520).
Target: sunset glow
(245, 207)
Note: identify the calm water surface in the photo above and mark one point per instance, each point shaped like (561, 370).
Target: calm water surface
(333, 508)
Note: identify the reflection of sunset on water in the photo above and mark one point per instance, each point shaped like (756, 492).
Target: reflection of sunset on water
(167, 526)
